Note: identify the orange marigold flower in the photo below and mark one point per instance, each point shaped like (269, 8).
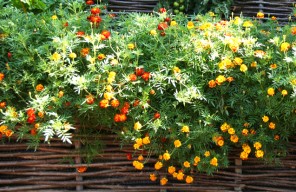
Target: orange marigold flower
(140, 158)
(177, 143)
(3, 128)
(244, 155)
(9, 133)
(84, 52)
(104, 103)
(171, 169)
(276, 137)
(234, 138)
(41, 114)
(180, 176)
(146, 140)
(273, 18)
(186, 164)
(271, 125)
(153, 177)
(158, 165)
(81, 169)
(230, 79)
(196, 160)
(166, 156)
(2, 104)
(214, 161)
(2, 76)
(101, 56)
(245, 132)
(115, 103)
(259, 53)
(39, 87)
(212, 83)
(273, 66)
(224, 127)
(132, 77)
(246, 148)
(190, 25)
(257, 145)
(293, 30)
(189, 179)
(259, 153)
(163, 181)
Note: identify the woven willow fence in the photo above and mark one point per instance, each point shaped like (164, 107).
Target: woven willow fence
(49, 169)
(280, 9)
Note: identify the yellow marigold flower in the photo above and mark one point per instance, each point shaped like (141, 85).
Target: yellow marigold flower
(41, 114)
(212, 14)
(180, 176)
(265, 118)
(293, 82)
(259, 153)
(153, 177)
(139, 141)
(131, 46)
(60, 94)
(189, 179)
(257, 145)
(220, 142)
(273, 66)
(146, 140)
(56, 56)
(271, 125)
(136, 146)
(237, 21)
(138, 165)
(270, 91)
(108, 96)
(39, 87)
(273, 18)
(246, 148)
(175, 174)
(260, 15)
(225, 64)
(244, 155)
(140, 158)
(186, 164)
(166, 156)
(72, 55)
(177, 143)
(153, 32)
(110, 80)
(54, 17)
(231, 131)
(214, 161)
(185, 129)
(171, 169)
(284, 92)
(163, 181)
(173, 23)
(137, 126)
(176, 70)
(248, 24)
(196, 160)
(220, 79)
(254, 64)
(245, 132)
(234, 138)
(224, 127)
(190, 25)
(207, 154)
(285, 47)
(112, 74)
(237, 61)
(234, 47)
(243, 68)
(158, 165)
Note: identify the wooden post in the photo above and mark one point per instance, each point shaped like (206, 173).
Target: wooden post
(238, 170)
(78, 161)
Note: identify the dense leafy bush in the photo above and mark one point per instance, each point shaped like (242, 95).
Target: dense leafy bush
(187, 89)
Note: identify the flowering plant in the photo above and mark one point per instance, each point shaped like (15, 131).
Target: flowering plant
(186, 89)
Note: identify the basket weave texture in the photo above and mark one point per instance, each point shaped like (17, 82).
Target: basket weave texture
(280, 9)
(132, 5)
(48, 169)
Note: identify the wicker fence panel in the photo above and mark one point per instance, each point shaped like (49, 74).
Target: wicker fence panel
(145, 6)
(54, 168)
(280, 9)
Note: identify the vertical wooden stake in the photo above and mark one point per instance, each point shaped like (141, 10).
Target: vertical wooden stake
(238, 170)
(79, 187)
